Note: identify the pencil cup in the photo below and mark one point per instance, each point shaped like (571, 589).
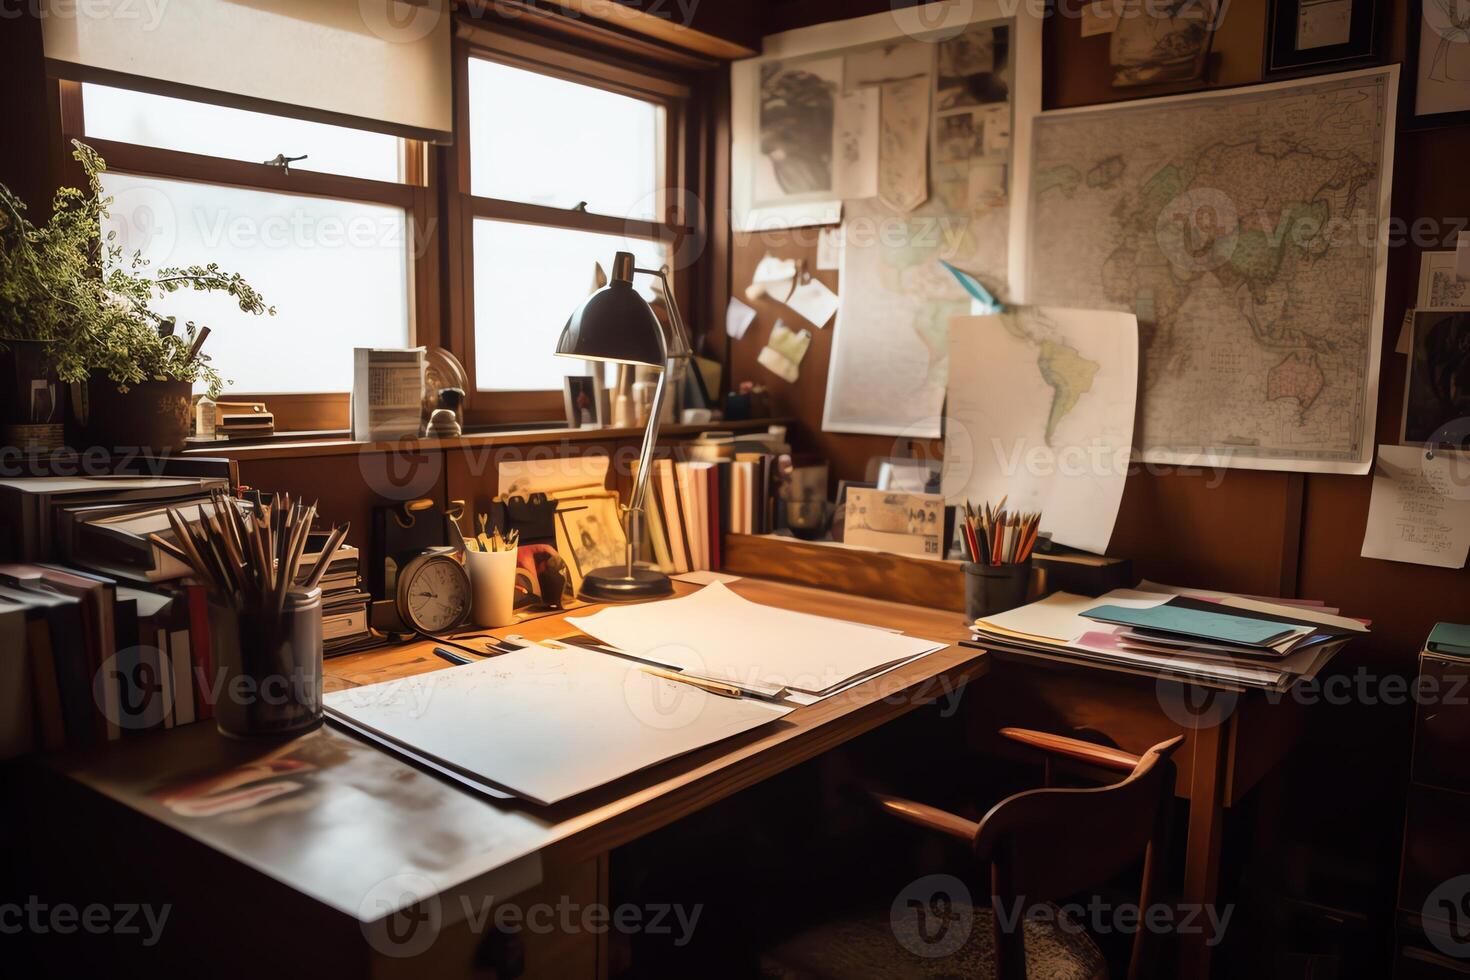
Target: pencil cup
(268, 665)
(493, 587)
(991, 589)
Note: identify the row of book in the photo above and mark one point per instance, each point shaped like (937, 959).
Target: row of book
(1190, 634)
(691, 505)
(105, 632)
(88, 658)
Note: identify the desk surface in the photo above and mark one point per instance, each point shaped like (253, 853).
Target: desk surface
(354, 827)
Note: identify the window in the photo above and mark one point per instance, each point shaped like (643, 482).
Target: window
(563, 162)
(328, 242)
(336, 272)
(238, 134)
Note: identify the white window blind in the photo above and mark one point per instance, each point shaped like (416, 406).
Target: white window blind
(375, 64)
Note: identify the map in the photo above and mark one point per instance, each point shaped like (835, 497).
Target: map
(1041, 407)
(1243, 229)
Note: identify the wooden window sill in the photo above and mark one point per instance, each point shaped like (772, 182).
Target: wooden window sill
(287, 447)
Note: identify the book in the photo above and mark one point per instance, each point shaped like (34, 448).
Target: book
(17, 701)
(387, 392)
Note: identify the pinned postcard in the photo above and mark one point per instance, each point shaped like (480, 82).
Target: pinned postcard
(783, 353)
(738, 318)
(1420, 508)
(1099, 17)
(813, 301)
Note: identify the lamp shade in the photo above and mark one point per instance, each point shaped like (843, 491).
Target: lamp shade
(614, 324)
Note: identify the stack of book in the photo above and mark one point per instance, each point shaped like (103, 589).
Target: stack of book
(344, 603)
(1210, 637)
(87, 657)
(691, 505)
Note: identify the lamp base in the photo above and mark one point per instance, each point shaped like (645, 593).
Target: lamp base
(614, 584)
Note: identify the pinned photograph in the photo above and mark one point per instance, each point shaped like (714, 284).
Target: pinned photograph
(974, 68)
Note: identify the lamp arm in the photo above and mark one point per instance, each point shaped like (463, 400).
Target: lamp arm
(682, 347)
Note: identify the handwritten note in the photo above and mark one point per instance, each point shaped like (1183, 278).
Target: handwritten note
(1420, 509)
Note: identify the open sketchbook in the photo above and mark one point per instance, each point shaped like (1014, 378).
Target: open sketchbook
(543, 724)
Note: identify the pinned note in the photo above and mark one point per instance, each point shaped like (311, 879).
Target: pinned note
(1420, 508)
(813, 301)
(738, 318)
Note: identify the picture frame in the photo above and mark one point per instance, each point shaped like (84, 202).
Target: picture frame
(1340, 35)
(581, 401)
(589, 534)
(1429, 102)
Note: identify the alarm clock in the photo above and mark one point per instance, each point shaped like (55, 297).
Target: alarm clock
(432, 593)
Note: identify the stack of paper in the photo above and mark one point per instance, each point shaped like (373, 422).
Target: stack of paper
(717, 634)
(1209, 636)
(543, 724)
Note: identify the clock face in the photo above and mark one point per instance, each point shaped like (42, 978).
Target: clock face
(434, 595)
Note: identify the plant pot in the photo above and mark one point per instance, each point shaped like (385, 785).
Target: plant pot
(150, 417)
(33, 401)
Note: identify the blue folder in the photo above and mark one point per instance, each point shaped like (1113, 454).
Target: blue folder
(1213, 626)
(1451, 639)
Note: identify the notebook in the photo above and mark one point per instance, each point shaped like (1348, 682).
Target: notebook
(1209, 626)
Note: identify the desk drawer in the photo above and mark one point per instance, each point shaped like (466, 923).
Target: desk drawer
(1442, 724)
(1436, 846)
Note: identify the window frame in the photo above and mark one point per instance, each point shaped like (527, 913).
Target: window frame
(510, 47)
(327, 411)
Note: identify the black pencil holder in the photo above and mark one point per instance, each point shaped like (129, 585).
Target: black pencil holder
(269, 665)
(992, 589)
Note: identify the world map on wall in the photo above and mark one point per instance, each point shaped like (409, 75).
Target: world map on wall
(1243, 231)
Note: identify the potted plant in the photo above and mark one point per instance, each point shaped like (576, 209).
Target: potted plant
(88, 304)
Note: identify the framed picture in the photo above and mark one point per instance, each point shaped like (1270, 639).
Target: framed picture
(589, 534)
(1437, 394)
(580, 395)
(1437, 64)
(1304, 37)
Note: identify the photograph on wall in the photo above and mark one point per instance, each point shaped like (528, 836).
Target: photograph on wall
(1441, 57)
(1437, 396)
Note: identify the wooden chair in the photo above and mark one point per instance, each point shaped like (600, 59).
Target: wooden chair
(1039, 845)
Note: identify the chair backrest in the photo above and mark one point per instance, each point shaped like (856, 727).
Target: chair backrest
(1050, 843)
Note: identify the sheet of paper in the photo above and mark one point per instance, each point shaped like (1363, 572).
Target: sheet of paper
(705, 577)
(903, 156)
(519, 477)
(1099, 17)
(1420, 508)
(829, 249)
(1041, 404)
(771, 270)
(547, 724)
(1406, 334)
(814, 302)
(716, 633)
(1440, 283)
(855, 144)
(1058, 618)
(888, 63)
(1323, 23)
(738, 318)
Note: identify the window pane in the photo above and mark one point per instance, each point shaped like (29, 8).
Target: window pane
(336, 271)
(236, 134)
(528, 280)
(542, 140)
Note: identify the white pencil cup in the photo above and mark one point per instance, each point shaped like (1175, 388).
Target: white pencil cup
(493, 584)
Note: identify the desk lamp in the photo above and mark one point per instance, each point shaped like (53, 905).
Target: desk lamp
(616, 324)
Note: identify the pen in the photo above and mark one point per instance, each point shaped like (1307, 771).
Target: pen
(713, 687)
(453, 658)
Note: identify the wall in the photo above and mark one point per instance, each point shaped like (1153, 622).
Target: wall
(1266, 533)
(1269, 533)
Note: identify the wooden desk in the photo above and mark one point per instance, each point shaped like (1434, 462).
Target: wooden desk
(352, 825)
